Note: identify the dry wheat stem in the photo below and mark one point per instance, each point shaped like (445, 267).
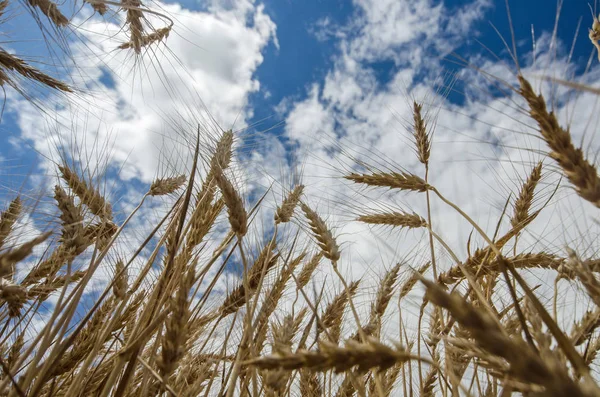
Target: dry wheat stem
(74, 298)
(265, 263)
(569, 350)
(271, 300)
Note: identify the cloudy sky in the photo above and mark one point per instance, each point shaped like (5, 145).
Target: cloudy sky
(313, 88)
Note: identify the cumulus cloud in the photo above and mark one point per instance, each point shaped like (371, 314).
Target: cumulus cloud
(484, 146)
(203, 73)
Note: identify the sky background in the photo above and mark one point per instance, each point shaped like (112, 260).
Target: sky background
(313, 88)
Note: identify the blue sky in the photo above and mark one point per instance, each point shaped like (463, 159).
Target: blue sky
(303, 58)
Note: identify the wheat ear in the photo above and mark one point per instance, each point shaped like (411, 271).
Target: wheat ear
(322, 234)
(580, 172)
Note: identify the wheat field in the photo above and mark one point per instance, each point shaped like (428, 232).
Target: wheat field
(202, 305)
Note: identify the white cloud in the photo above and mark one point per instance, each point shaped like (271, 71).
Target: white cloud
(205, 68)
(483, 149)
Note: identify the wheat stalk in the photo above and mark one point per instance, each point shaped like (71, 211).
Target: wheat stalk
(307, 270)
(120, 280)
(176, 332)
(9, 259)
(42, 291)
(14, 296)
(331, 319)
